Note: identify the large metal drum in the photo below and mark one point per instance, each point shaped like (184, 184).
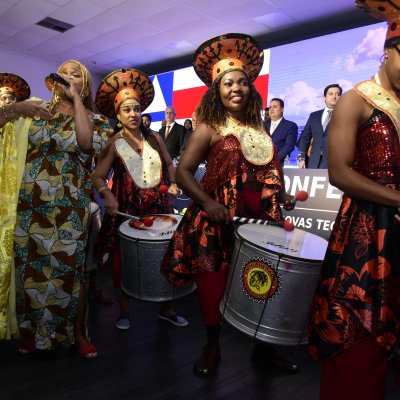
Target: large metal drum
(142, 253)
(272, 281)
(94, 228)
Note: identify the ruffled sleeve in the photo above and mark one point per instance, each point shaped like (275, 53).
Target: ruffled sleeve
(101, 133)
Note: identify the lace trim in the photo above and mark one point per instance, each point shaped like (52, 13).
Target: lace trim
(256, 144)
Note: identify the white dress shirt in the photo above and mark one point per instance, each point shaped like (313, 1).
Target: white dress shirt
(274, 124)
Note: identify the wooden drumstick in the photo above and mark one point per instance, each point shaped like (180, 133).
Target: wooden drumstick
(127, 215)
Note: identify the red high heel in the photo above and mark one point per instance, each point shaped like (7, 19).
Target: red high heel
(87, 350)
(27, 346)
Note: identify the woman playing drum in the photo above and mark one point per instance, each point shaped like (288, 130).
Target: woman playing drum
(355, 318)
(242, 178)
(141, 166)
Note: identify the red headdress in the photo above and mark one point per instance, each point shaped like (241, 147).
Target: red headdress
(388, 10)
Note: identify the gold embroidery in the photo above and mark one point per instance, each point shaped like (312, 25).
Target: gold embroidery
(257, 146)
(379, 98)
(145, 170)
(8, 211)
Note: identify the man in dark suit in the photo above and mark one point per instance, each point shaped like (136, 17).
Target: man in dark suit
(315, 132)
(283, 132)
(172, 133)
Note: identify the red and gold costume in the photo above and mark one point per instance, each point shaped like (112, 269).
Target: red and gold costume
(132, 197)
(358, 292)
(199, 245)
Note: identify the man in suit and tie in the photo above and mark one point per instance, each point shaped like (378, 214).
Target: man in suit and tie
(316, 131)
(283, 132)
(172, 133)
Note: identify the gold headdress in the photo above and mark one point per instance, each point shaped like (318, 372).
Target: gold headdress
(121, 85)
(226, 52)
(15, 85)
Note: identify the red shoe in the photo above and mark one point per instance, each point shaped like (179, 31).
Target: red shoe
(87, 350)
(27, 346)
(206, 364)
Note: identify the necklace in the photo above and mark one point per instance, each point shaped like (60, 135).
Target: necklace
(134, 142)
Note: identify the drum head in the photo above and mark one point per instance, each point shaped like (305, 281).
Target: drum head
(159, 223)
(126, 229)
(93, 207)
(297, 244)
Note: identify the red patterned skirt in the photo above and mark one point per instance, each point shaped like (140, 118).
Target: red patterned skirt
(358, 294)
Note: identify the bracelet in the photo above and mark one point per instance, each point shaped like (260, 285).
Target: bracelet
(11, 113)
(11, 116)
(172, 182)
(3, 108)
(102, 189)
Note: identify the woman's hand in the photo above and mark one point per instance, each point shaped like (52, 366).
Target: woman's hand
(217, 212)
(111, 203)
(173, 190)
(70, 91)
(32, 109)
(288, 201)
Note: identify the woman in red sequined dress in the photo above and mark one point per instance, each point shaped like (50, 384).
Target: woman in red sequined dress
(242, 177)
(141, 166)
(355, 318)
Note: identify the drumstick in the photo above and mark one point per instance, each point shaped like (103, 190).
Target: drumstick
(285, 224)
(127, 215)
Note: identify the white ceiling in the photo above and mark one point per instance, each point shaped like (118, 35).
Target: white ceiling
(159, 35)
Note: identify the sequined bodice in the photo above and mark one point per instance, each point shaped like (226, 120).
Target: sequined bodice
(226, 160)
(377, 153)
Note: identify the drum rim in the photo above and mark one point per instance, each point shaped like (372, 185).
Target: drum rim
(285, 256)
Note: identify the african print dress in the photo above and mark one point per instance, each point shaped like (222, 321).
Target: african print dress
(8, 208)
(136, 195)
(359, 290)
(198, 245)
(51, 229)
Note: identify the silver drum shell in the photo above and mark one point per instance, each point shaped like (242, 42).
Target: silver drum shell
(141, 262)
(282, 318)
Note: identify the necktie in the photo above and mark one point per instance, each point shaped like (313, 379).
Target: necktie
(327, 119)
(167, 132)
(273, 126)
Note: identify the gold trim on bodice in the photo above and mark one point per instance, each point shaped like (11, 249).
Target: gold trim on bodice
(381, 99)
(146, 169)
(256, 144)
